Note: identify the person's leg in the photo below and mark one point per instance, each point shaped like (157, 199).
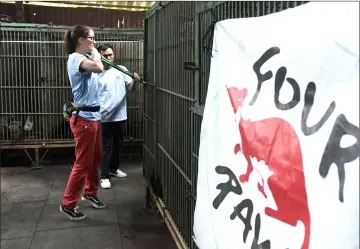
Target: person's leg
(114, 163)
(92, 178)
(119, 132)
(107, 141)
(83, 132)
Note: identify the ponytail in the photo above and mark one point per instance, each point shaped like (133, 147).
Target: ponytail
(69, 44)
(72, 36)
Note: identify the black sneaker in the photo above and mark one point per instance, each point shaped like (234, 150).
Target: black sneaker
(73, 214)
(94, 201)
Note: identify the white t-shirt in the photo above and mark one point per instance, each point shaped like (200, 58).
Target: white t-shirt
(112, 84)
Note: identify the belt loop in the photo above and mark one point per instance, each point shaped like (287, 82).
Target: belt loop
(76, 117)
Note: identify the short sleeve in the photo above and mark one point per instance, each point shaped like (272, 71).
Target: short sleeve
(77, 59)
(127, 78)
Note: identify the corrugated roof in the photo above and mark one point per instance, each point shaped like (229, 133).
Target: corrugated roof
(115, 5)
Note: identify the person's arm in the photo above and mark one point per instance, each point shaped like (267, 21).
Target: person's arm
(130, 82)
(131, 85)
(92, 63)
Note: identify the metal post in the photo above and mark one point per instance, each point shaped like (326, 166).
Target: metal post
(37, 160)
(197, 53)
(146, 32)
(155, 98)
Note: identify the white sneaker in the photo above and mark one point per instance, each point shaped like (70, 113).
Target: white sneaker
(119, 173)
(105, 183)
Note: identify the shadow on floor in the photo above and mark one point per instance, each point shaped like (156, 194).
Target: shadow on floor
(30, 217)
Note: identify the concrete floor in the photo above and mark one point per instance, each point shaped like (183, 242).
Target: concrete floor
(30, 216)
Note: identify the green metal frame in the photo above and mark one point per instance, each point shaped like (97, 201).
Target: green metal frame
(36, 27)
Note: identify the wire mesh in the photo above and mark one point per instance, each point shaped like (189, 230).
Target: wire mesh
(34, 83)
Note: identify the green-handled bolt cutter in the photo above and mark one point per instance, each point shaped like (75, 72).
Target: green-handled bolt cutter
(111, 64)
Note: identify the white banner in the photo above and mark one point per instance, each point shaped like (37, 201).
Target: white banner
(279, 150)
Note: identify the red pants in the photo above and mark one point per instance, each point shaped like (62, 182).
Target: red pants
(88, 152)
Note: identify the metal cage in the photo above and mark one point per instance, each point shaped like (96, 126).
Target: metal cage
(174, 98)
(34, 83)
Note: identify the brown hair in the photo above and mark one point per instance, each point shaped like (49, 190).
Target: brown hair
(104, 47)
(72, 36)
